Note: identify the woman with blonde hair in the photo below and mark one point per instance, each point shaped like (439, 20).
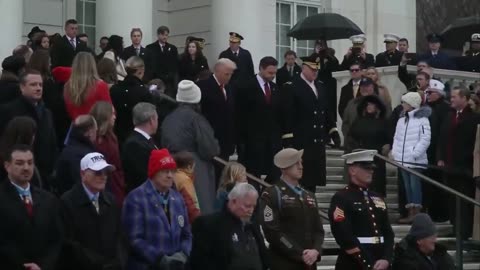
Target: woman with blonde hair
(84, 88)
(232, 174)
(383, 92)
(107, 144)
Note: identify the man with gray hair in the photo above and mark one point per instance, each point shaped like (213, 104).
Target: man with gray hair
(218, 107)
(228, 239)
(136, 149)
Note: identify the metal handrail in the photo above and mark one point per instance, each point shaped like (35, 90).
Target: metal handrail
(458, 196)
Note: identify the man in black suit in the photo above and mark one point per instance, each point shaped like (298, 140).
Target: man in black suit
(358, 54)
(241, 57)
(162, 61)
(30, 104)
(91, 219)
(457, 138)
(290, 69)
(349, 91)
(136, 49)
(218, 106)
(435, 57)
(258, 135)
(65, 49)
(228, 239)
(391, 56)
(305, 122)
(137, 148)
(31, 227)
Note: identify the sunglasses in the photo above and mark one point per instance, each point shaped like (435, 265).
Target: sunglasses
(354, 70)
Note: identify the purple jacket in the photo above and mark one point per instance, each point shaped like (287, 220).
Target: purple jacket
(149, 233)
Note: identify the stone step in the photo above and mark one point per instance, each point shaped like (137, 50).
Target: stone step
(401, 230)
(339, 170)
(334, 179)
(338, 186)
(334, 153)
(327, 197)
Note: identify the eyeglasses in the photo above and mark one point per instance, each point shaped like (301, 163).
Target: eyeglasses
(354, 70)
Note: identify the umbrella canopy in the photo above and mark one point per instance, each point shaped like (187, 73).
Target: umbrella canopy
(326, 26)
(460, 31)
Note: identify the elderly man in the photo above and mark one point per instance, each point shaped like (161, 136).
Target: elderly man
(137, 148)
(306, 123)
(31, 229)
(240, 56)
(218, 106)
(155, 219)
(359, 219)
(290, 218)
(91, 219)
(420, 250)
(243, 244)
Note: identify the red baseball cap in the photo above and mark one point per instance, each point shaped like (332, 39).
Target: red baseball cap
(160, 160)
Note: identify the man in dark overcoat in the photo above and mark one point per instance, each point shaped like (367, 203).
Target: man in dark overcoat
(64, 49)
(240, 56)
(258, 134)
(31, 227)
(306, 124)
(457, 138)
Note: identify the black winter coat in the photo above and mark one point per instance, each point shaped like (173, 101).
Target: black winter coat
(62, 52)
(244, 63)
(68, 164)
(190, 69)
(45, 144)
(218, 230)
(408, 257)
(125, 95)
(92, 241)
(9, 90)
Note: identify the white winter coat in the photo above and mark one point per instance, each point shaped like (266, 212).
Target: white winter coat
(412, 138)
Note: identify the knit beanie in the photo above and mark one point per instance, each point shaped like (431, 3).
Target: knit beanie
(13, 64)
(188, 92)
(160, 160)
(422, 227)
(413, 99)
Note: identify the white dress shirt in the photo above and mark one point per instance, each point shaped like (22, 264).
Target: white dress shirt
(262, 83)
(148, 137)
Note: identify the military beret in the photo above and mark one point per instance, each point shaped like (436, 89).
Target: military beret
(287, 157)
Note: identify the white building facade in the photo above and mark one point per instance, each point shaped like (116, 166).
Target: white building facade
(263, 23)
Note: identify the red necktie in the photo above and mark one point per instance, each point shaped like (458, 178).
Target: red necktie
(28, 205)
(222, 88)
(268, 93)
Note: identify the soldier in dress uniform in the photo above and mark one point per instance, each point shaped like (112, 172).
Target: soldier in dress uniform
(241, 57)
(471, 61)
(357, 53)
(306, 122)
(391, 56)
(290, 218)
(359, 219)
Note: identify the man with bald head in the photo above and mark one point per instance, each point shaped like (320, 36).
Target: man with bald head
(218, 105)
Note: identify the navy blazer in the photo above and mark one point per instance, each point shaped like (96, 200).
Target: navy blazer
(441, 60)
(130, 51)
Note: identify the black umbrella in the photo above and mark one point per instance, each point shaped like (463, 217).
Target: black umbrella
(326, 26)
(460, 31)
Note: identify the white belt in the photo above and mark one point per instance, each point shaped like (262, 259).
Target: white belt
(371, 240)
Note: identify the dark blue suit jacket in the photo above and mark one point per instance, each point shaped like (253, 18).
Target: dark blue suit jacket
(441, 60)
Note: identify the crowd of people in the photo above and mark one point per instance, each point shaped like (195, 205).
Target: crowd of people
(109, 159)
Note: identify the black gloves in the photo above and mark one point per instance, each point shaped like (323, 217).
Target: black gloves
(336, 139)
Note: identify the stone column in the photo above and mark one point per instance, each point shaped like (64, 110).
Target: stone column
(253, 19)
(118, 17)
(11, 26)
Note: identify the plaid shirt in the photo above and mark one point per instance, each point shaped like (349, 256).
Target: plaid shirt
(149, 232)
